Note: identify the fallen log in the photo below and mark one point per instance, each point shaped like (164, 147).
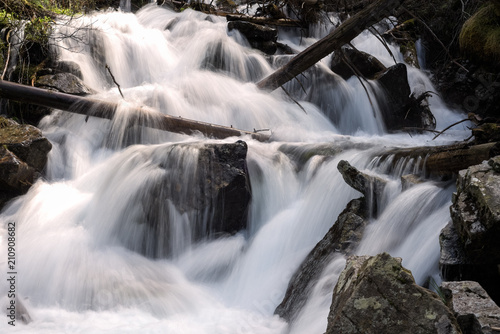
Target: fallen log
(346, 32)
(143, 116)
(440, 160)
(265, 20)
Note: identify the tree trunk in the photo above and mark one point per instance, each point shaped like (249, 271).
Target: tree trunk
(141, 115)
(340, 36)
(265, 20)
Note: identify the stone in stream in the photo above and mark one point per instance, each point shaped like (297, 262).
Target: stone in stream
(343, 237)
(469, 245)
(23, 155)
(378, 295)
(207, 184)
(260, 37)
(476, 313)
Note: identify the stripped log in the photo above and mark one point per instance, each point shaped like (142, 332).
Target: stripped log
(143, 116)
(346, 32)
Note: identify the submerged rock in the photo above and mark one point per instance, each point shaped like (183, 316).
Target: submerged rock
(343, 237)
(378, 295)
(199, 191)
(476, 313)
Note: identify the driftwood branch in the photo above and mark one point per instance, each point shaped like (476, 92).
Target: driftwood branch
(346, 32)
(141, 115)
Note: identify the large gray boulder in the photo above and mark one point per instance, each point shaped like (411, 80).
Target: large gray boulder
(342, 238)
(469, 244)
(476, 313)
(377, 295)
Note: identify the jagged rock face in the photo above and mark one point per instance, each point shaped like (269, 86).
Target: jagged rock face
(377, 295)
(23, 155)
(476, 313)
(343, 237)
(476, 212)
(469, 244)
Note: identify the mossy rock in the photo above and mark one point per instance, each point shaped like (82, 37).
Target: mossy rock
(480, 37)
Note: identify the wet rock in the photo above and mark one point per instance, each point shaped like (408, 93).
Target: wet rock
(65, 83)
(207, 184)
(23, 155)
(365, 63)
(476, 212)
(260, 37)
(476, 313)
(25, 141)
(370, 186)
(400, 108)
(409, 180)
(343, 237)
(378, 295)
(469, 244)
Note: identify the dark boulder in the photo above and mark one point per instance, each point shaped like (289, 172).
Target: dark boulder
(366, 64)
(260, 37)
(343, 237)
(208, 184)
(378, 295)
(400, 108)
(476, 313)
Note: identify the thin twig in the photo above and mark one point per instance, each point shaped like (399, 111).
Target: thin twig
(440, 133)
(116, 83)
(290, 96)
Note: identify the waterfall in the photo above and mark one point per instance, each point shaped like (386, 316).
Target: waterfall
(86, 259)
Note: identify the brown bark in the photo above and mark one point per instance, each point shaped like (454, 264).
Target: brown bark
(444, 159)
(347, 31)
(265, 20)
(142, 115)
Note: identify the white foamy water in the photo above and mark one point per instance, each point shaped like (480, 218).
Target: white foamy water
(80, 229)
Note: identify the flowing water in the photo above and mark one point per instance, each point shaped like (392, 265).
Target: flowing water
(79, 231)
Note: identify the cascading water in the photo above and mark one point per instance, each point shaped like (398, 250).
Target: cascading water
(80, 238)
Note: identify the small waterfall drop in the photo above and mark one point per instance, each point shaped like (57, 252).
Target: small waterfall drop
(88, 260)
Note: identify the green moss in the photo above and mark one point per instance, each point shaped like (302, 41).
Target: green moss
(480, 37)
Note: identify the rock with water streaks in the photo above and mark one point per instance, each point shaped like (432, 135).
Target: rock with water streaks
(343, 237)
(475, 311)
(366, 64)
(378, 295)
